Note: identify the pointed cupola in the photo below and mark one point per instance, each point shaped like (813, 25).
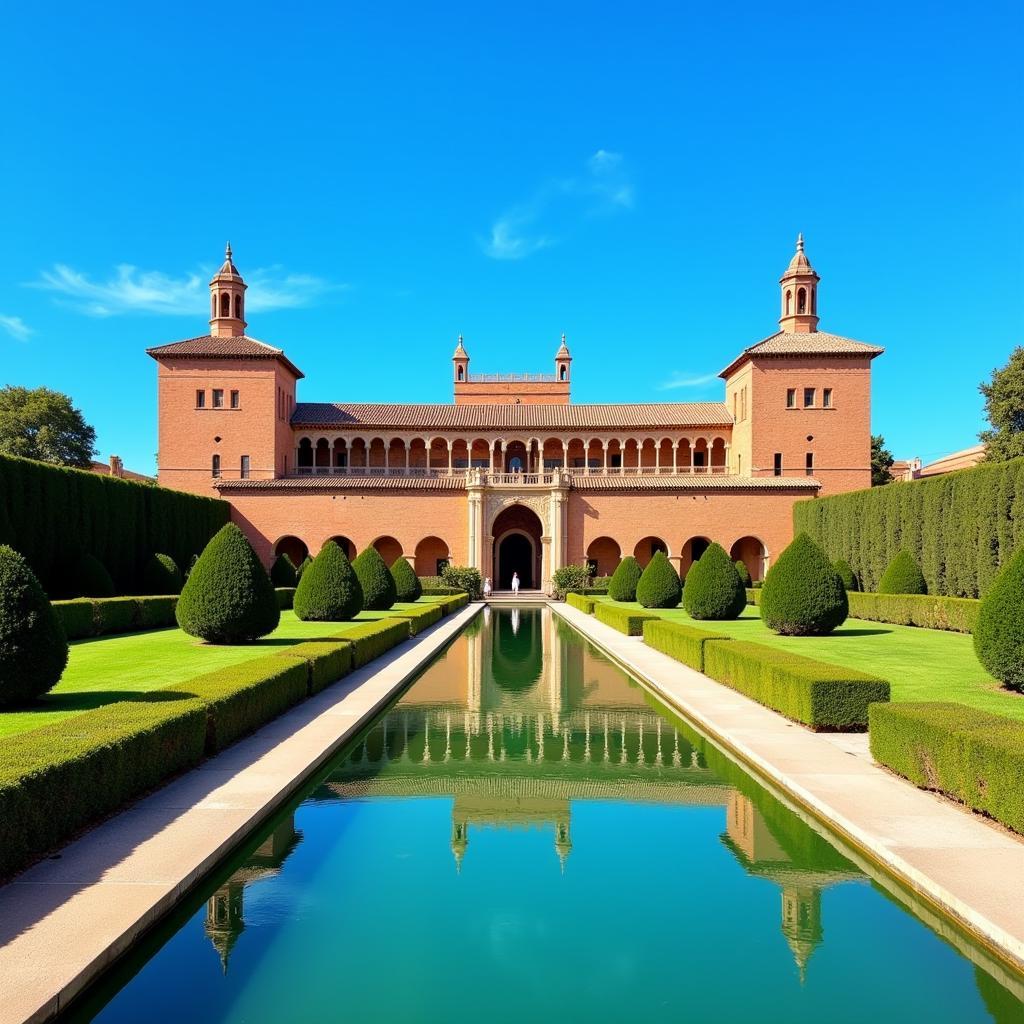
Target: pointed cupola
(799, 294)
(227, 300)
(460, 363)
(562, 361)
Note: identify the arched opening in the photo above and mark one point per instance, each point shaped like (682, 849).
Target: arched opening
(305, 453)
(692, 550)
(389, 549)
(294, 548)
(346, 545)
(516, 649)
(789, 301)
(604, 556)
(431, 556)
(462, 373)
(322, 454)
(814, 300)
(238, 307)
(517, 535)
(225, 304)
(801, 300)
(563, 374)
(516, 458)
(751, 552)
(646, 549)
(213, 305)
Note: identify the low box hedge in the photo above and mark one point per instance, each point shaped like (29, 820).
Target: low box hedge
(56, 779)
(285, 597)
(419, 618)
(584, 604)
(326, 661)
(684, 643)
(454, 602)
(99, 616)
(626, 620)
(754, 595)
(155, 612)
(369, 640)
(824, 696)
(956, 614)
(115, 615)
(76, 616)
(968, 754)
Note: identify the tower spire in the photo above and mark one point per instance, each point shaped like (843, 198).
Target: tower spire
(799, 293)
(227, 300)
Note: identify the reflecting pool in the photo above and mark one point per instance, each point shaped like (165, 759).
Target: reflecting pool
(527, 835)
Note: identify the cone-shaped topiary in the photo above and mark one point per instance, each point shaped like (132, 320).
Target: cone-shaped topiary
(659, 586)
(999, 632)
(622, 586)
(846, 574)
(903, 576)
(714, 589)
(161, 575)
(228, 597)
(282, 572)
(377, 582)
(92, 578)
(741, 568)
(301, 568)
(802, 594)
(407, 583)
(33, 648)
(329, 590)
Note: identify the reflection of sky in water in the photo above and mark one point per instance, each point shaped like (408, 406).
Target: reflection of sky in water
(526, 834)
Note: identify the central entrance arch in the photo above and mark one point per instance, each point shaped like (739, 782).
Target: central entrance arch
(517, 535)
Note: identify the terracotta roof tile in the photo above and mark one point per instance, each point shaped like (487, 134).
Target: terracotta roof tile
(207, 346)
(347, 483)
(809, 343)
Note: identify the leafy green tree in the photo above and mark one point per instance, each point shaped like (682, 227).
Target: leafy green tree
(659, 585)
(571, 579)
(37, 423)
(802, 594)
(463, 577)
(329, 590)
(714, 589)
(1004, 409)
(999, 633)
(881, 462)
(407, 583)
(376, 580)
(902, 576)
(622, 586)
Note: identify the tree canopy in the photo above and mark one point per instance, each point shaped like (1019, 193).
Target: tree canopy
(37, 423)
(881, 461)
(1004, 409)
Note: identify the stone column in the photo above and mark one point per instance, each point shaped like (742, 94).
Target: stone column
(476, 508)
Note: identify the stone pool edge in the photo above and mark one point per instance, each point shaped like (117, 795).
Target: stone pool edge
(72, 918)
(918, 839)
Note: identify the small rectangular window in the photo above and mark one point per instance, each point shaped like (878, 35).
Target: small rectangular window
(218, 398)
(200, 399)
(790, 398)
(808, 398)
(215, 466)
(809, 463)
(778, 463)
(234, 399)
(826, 398)
(245, 467)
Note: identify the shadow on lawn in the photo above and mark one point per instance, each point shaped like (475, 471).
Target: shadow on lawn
(89, 700)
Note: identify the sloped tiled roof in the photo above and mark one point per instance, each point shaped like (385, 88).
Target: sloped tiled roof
(809, 343)
(695, 482)
(207, 346)
(650, 415)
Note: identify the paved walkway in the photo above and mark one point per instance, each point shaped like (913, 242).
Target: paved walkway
(968, 867)
(63, 921)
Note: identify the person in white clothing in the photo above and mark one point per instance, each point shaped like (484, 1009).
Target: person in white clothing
(487, 587)
(515, 583)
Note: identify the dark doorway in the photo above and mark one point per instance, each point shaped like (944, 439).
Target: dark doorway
(515, 554)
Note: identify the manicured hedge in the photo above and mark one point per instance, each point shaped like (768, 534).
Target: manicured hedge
(76, 616)
(684, 643)
(754, 595)
(960, 527)
(958, 614)
(625, 620)
(826, 697)
(52, 514)
(326, 661)
(419, 618)
(369, 640)
(454, 603)
(285, 597)
(84, 616)
(430, 586)
(971, 755)
(155, 612)
(56, 779)
(583, 603)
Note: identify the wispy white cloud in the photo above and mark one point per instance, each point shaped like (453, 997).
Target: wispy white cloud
(558, 206)
(15, 327)
(131, 290)
(684, 380)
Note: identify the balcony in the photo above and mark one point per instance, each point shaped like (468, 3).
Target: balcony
(493, 478)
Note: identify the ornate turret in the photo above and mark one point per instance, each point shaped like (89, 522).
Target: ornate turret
(563, 841)
(801, 923)
(224, 920)
(799, 293)
(460, 361)
(460, 840)
(227, 300)
(562, 361)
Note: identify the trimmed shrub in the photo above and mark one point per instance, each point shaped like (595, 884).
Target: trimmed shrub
(377, 583)
(957, 614)
(714, 589)
(802, 594)
(369, 640)
(407, 583)
(56, 779)
(161, 576)
(76, 616)
(455, 602)
(971, 755)
(329, 590)
(753, 595)
(433, 586)
(625, 620)
(570, 579)
(282, 572)
(826, 697)
(228, 598)
(92, 578)
(999, 633)
(301, 568)
(622, 586)
(155, 612)
(744, 572)
(33, 647)
(464, 578)
(419, 618)
(285, 597)
(583, 603)
(684, 643)
(115, 614)
(903, 576)
(659, 585)
(846, 574)
(326, 661)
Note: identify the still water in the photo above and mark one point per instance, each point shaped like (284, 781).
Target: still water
(526, 835)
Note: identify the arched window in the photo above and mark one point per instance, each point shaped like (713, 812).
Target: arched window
(213, 305)
(225, 304)
(462, 373)
(238, 307)
(789, 302)
(801, 300)
(563, 373)
(215, 466)
(814, 300)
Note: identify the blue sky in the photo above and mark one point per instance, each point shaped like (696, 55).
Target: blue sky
(392, 174)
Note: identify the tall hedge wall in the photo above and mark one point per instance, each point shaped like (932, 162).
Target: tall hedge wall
(52, 515)
(961, 527)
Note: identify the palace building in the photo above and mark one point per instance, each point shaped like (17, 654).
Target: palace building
(512, 475)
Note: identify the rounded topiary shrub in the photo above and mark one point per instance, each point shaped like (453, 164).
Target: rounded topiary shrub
(161, 575)
(659, 585)
(846, 574)
(376, 580)
(714, 589)
(33, 648)
(301, 568)
(622, 586)
(999, 632)
(802, 594)
(329, 590)
(741, 568)
(282, 572)
(903, 576)
(407, 583)
(228, 597)
(92, 578)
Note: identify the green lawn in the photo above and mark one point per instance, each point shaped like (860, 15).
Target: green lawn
(106, 669)
(920, 664)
